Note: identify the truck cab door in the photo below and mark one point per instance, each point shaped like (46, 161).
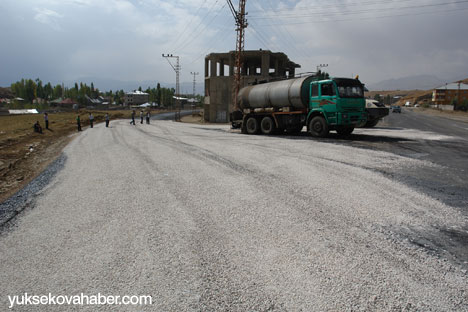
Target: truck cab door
(328, 99)
(314, 95)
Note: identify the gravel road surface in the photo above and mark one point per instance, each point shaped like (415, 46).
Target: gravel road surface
(206, 219)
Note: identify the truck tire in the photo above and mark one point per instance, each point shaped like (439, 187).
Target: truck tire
(344, 131)
(318, 127)
(252, 125)
(267, 125)
(371, 123)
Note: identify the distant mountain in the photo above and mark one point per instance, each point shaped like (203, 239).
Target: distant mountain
(419, 82)
(112, 84)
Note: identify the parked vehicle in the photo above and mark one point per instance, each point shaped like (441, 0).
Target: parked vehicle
(396, 109)
(375, 112)
(288, 105)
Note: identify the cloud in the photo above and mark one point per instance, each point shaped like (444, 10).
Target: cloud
(125, 38)
(48, 17)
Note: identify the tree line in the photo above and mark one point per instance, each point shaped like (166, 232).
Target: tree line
(30, 90)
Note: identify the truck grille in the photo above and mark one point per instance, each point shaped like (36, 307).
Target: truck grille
(351, 109)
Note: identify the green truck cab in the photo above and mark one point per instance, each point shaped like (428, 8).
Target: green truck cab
(335, 104)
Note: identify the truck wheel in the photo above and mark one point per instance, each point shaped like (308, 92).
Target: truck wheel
(318, 127)
(267, 125)
(371, 123)
(344, 130)
(252, 125)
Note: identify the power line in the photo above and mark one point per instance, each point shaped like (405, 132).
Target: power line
(368, 18)
(326, 13)
(337, 5)
(222, 38)
(288, 37)
(267, 43)
(261, 39)
(195, 29)
(188, 24)
(201, 31)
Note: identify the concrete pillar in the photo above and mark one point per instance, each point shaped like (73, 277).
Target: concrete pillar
(221, 67)
(213, 67)
(265, 64)
(231, 65)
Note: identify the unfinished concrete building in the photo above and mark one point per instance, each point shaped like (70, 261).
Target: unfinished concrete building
(258, 65)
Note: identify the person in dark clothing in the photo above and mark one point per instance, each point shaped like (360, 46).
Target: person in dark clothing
(78, 122)
(37, 127)
(91, 119)
(46, 120)
(141, 117)
(148, 116)
(133, 118)
(107, 120)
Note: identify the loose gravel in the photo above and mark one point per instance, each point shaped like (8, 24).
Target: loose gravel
(204, 219)
(24, 198)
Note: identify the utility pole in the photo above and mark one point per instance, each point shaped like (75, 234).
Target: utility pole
(193, 94)
(194, 82)
(176, 68)
(241, 23)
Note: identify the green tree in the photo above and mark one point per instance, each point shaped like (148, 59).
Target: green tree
(48, 91)
(39, 89)
(464, 105)
(377, 98)
(57, 93)
(30, 90)
(158, 93)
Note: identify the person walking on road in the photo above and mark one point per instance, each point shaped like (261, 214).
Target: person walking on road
(107, 120)
(46, 120)
(78, 122)
(133, 118)
(141, 116)
(91, 119)
(148, 116)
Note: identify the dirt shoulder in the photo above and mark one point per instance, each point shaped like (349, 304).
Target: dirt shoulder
(454, 115)
(24, 154)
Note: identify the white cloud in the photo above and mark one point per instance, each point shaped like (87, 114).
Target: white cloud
(48, 17)
(126, 38)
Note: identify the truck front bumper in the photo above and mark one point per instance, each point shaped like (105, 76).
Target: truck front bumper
(351, 118)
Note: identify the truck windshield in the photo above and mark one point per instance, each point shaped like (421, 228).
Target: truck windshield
(349, 88)
(350, 91)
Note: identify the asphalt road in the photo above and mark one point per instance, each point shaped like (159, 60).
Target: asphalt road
(203, 218)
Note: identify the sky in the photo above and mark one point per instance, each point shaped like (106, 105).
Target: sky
(123, 40)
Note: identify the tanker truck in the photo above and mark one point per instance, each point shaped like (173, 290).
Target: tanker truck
(288, 105)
